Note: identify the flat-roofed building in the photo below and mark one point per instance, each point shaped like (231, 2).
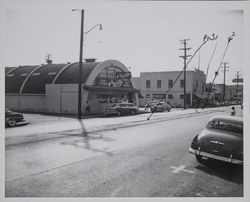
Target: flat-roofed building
(154, 85)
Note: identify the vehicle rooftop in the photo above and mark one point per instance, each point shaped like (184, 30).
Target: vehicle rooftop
(227, 118)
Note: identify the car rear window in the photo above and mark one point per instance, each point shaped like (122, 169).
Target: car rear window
(226, 126)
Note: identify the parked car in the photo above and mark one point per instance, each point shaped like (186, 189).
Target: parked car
(121, 109)
(222, 139)
(158, 106)
(216, 104)
(13, 118)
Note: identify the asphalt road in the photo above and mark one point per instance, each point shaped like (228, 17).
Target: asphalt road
(146, 160)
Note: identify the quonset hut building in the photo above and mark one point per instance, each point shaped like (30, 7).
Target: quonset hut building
(53, 88)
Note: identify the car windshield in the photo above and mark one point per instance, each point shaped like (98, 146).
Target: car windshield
(226, 126)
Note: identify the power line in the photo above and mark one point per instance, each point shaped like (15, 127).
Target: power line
(206, 76)
(229, 39)
(206, 38)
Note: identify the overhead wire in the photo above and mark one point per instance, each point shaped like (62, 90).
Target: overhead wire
(230, 38)
(206, 75)
(206, 38)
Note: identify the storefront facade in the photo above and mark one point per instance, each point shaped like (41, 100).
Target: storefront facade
(104, 83)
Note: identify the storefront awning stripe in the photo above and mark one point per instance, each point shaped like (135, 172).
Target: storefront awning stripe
(104, 88)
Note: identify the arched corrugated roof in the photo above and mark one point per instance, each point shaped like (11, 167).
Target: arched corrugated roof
(8, 69)
(71, 74)
(15, 79)
(33, 79)
(38, 79)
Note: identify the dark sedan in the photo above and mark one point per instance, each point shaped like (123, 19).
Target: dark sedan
(158, 106)
(222, 139)
(13, 118)
(121, 109)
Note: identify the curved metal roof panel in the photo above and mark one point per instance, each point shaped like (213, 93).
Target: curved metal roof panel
(37, 81)
(15, 79)
(71, 74)
(7, 69)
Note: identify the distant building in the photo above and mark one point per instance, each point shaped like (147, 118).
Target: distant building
(53, 88)
(233, 94)
(230, 92)
(154, 85)
(218, 92)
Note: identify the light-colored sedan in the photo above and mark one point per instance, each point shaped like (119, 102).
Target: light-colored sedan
(222, 139)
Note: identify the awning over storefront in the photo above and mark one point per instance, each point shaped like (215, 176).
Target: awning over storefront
(109, 89)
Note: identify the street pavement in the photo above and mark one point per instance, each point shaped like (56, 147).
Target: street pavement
(44, 127)
(147, 159)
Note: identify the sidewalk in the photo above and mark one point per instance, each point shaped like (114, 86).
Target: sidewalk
(44, 127)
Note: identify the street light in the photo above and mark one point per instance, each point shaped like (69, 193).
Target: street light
(80, 60)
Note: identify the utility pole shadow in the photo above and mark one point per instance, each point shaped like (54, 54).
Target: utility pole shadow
(84, 131)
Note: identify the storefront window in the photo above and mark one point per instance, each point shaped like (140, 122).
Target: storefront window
(104, 98)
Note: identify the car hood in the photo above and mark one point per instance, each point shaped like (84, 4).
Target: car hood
(220, 143)
(13, 114)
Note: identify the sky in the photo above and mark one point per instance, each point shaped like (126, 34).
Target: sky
(144, 36)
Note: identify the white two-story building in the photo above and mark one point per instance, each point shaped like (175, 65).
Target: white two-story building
(154, 85)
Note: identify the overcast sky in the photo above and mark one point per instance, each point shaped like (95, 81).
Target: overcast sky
(142, 35)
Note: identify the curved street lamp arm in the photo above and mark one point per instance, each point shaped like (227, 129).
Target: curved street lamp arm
(100, 27)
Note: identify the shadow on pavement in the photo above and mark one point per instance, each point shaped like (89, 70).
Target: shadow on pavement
(224, 170)
(86, 138)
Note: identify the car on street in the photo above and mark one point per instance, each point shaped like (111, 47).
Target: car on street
(216, 104)
(121, 109)
(158, 106)
(222, 139)
(13, 118)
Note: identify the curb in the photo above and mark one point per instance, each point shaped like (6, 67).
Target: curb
(38, 137)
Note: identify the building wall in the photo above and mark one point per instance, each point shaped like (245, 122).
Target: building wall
(62, 98)
(136, 82)
(25, 103)
(231, 92)
(53, 98)
(176, 91)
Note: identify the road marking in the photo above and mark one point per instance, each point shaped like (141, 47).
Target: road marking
(181, 168)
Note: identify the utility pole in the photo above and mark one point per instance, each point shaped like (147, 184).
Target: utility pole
(237, 85)
(79, 115)
(185, 56)
(224, 82)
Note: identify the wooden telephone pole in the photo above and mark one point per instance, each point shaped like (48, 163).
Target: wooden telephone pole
(224, 81)
(185, 56)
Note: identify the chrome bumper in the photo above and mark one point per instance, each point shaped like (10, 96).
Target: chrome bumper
(213, 156)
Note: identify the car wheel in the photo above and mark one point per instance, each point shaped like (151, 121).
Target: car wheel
(11, 122)
(199, 158)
